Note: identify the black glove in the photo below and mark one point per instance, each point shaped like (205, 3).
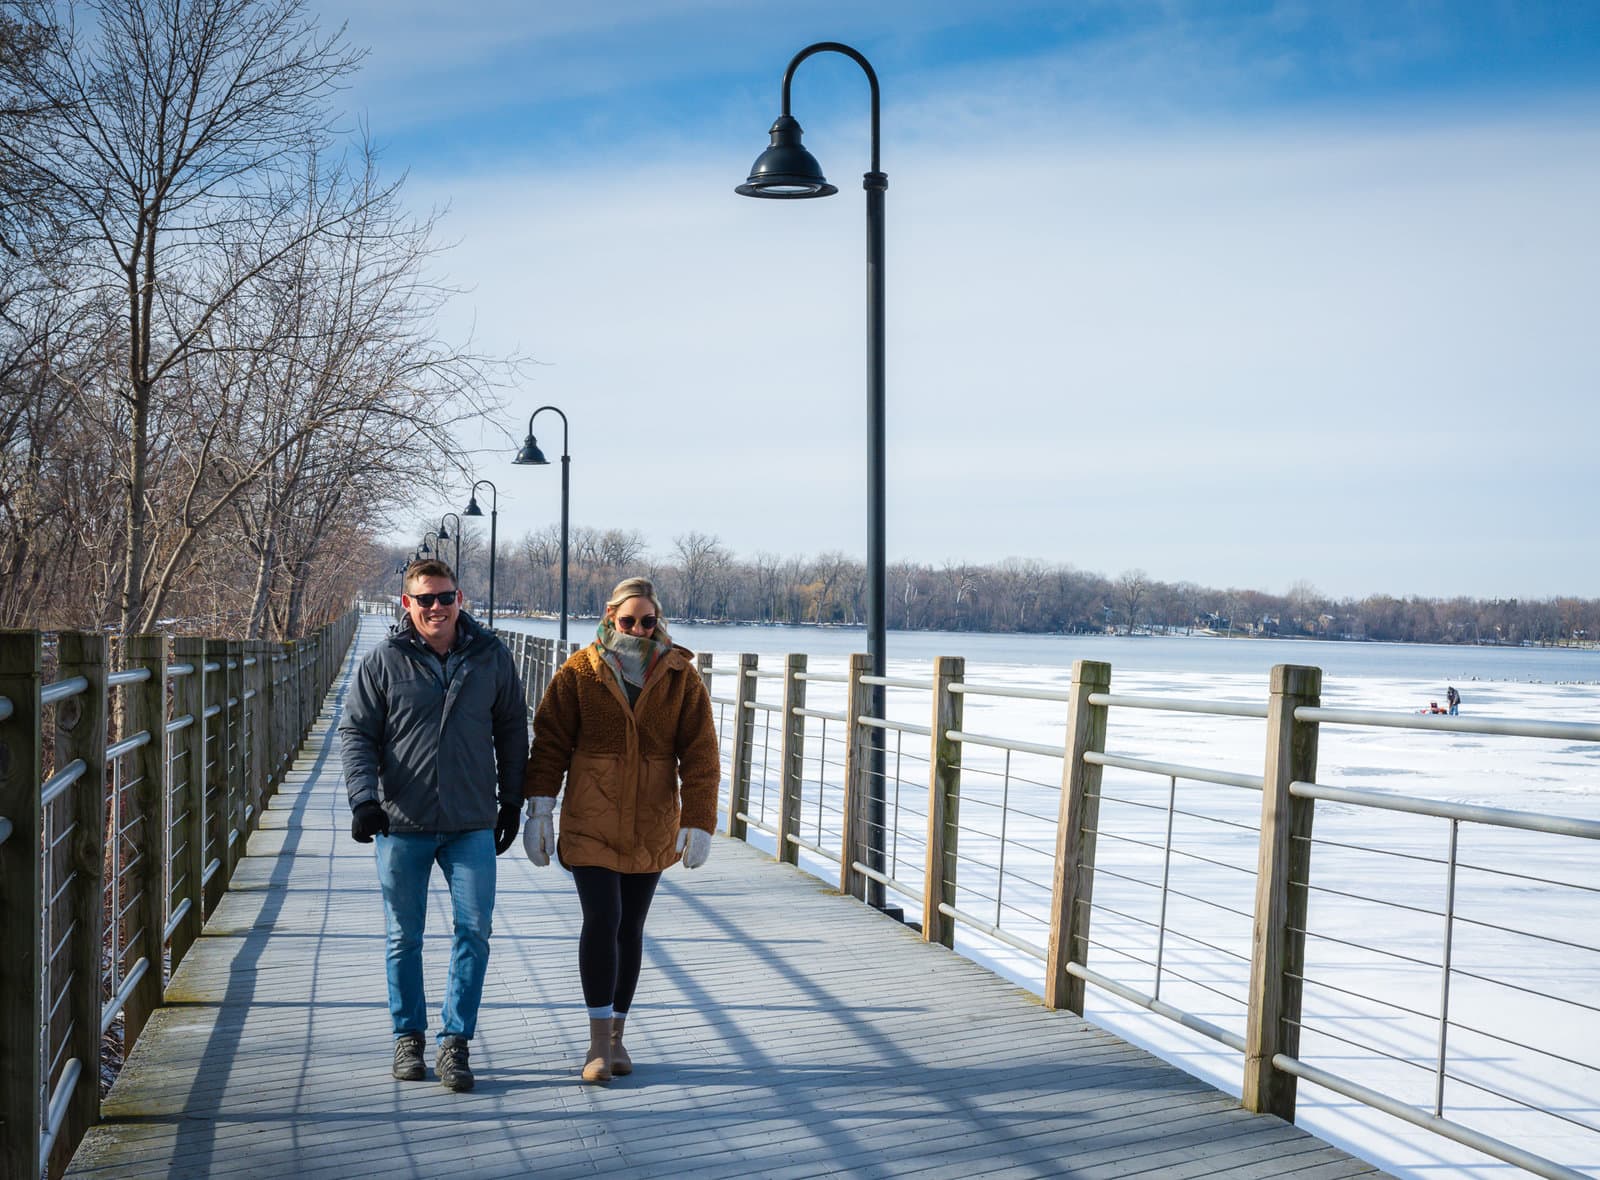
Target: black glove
(368, 820)
(505, 827)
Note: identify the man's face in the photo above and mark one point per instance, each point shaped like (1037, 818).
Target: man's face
(434, 620)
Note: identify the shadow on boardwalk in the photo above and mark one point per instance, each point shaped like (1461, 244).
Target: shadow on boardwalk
(780, 1031)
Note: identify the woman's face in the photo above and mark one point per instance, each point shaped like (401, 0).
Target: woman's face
(636, 617)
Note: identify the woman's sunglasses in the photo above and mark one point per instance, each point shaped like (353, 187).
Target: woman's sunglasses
(627, 622)
(443, 598)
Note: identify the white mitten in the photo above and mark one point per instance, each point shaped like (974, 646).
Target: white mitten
(695, 846)
(539, 834)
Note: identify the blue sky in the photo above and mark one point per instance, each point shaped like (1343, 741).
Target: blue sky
(1247, 294)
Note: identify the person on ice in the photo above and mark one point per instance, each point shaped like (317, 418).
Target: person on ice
(625, 721)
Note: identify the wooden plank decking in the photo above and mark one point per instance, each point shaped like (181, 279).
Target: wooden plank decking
(780, 1031)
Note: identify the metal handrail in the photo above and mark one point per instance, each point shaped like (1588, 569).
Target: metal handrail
(992, 931)
(884, 879)
(1176, 705)
(896, 682)
(128, 676)
(1487, 1144)
(1200, 774)
(999, 743)
(1500, 817)
(114, 1006)
(60, 1098)
(1579, 731)
(60, 781)
(995, 690)
(816, 849)
(118, 749)
(1159, 1007)
(62, 689)
(821, 715)
(897, 726)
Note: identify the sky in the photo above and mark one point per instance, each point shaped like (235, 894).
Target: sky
(1245, 294)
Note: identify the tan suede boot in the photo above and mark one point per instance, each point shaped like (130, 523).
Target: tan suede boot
(621, 1063)
(597, 1062)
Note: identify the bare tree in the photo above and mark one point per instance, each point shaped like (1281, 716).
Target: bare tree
(701, 559)
(1130, 590)
(177, 127)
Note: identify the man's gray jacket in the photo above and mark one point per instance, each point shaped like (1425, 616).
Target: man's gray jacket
(441, 744)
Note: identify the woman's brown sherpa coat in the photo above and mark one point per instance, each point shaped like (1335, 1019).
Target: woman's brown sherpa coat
(623, 766)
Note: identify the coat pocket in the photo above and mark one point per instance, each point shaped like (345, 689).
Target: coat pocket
(658, 796)
(594, 787)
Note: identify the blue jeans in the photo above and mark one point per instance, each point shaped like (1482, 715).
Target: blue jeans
(405, 863)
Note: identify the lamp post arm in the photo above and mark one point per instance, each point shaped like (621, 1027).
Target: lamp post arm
(853, 55)
(563, 417)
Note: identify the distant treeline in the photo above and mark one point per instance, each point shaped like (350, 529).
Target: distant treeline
(700, 579)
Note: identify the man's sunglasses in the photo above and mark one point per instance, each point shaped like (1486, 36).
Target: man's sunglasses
(443, 598)
(627, 622)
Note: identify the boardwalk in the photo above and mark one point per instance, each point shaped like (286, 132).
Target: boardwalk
(781, 1031)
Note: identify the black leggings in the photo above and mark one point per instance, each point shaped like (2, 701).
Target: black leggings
(611, 946)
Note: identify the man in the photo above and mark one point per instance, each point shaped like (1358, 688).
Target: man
(435, 738)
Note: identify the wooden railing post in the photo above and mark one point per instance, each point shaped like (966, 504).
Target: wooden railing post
(214, 774)
(793, 757)
(1277, 945)
(238, 823)
(283, 706)
(944, 802)
(1072, 885)
(853, 839)
(188, 805)
(21, 913)
(744, 731)
(81, 733)
(259, 683)
(308, 689)
(145, 708)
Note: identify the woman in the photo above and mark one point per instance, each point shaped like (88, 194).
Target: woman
(624, 720)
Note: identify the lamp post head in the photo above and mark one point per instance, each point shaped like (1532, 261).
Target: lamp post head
(425, 551)
(472, 508)
(786, 170)
(530, 455)
(442, 534)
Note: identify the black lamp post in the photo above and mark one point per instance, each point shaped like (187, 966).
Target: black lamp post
(425, 551)
(786, 170)
(445, 536)
(472, 509)
(531, 455)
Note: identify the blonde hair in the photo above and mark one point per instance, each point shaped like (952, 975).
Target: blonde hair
(639, 588)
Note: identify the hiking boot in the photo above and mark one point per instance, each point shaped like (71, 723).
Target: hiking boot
(451, 1065)
(408, 1065)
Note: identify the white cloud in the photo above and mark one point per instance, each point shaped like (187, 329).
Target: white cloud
(1349, 352)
